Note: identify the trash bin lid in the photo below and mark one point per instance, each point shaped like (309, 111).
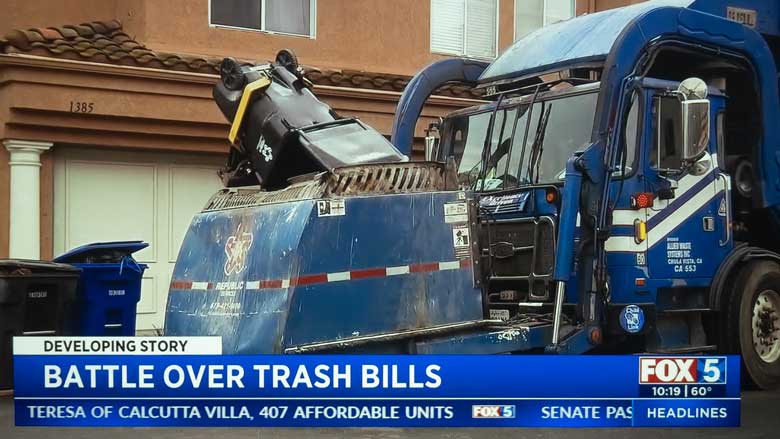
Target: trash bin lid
(102, 251)
(29, 266)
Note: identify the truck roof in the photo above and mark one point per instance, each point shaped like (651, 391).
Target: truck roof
(585, 41)
(581, 41)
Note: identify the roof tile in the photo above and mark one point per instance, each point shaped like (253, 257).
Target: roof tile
(55, 49)
(106, 42)
(111, 48)
(137, 53)
(83, 30)
(98, 27)
(83, 45)
(89, 52)
(102, 43)
(120, 37)
(33, 36)
(119, 54)
(67, 32)
(16, 39)
(130, 45)
(112, 25)
(50, 34)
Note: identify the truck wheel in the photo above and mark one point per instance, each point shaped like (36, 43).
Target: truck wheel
(754, 322)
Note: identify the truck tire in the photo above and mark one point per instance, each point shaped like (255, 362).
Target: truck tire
(753, 321)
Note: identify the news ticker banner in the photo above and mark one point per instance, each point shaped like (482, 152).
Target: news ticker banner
(185, 382)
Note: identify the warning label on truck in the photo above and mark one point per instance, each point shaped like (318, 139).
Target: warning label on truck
(455, 213)
(331, 208)
(460, 237)
(462, 242)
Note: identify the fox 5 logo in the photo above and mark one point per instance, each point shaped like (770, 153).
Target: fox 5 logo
(492, 411)
(682, 370)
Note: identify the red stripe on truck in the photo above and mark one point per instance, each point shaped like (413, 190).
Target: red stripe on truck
(340, 276)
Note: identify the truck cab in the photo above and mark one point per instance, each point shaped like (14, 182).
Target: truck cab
(669, 208)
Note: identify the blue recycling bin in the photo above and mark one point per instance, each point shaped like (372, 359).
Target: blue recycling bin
(109, 288)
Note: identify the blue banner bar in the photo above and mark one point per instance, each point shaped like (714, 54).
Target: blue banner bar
(392, 391)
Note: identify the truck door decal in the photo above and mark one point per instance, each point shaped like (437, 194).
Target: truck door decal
(692, 194)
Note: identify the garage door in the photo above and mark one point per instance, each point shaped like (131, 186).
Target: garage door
(115, 196)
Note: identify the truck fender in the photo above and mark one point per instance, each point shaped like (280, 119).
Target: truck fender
(740, 254)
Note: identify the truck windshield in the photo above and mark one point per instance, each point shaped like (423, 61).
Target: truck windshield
(558, 128)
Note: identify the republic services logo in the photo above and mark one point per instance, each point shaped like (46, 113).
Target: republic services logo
(236, 249)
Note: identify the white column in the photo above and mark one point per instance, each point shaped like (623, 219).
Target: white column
(25, 212)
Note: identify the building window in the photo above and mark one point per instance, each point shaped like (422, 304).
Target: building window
(464, 27)
(293, 17)
(533, 14)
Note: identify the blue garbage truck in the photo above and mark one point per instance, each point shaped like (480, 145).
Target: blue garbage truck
(618, 191)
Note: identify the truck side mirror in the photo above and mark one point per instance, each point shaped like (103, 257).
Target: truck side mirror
(696, 118)
(696, 128)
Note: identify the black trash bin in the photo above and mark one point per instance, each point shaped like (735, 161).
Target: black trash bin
(34, 298)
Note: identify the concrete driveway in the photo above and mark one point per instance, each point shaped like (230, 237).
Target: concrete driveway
(760, 419)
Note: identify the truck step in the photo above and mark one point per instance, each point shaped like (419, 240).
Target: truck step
(493, 304)
(429, 331)
(684, 310)
(501, 310)
(688, 349)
